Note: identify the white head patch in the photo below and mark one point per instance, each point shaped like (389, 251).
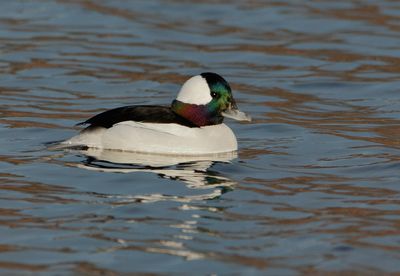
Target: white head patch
(195, 91)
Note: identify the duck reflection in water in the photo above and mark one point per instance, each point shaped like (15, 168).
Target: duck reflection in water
(192, 170)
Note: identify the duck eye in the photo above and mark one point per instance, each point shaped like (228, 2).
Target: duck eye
(214, 94)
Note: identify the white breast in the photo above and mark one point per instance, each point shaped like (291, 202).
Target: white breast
(159, 138)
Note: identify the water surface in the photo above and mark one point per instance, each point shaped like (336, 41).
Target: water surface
(314, 188)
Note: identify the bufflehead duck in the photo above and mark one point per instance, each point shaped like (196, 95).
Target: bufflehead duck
(191, 125)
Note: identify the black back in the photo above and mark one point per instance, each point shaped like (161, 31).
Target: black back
(137, 113)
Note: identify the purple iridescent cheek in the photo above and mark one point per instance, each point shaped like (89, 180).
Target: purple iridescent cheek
(200, 115)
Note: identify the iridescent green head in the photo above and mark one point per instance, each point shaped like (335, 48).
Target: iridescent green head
(205, 100)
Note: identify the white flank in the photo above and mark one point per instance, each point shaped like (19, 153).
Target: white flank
(195, 91)
(159, 138)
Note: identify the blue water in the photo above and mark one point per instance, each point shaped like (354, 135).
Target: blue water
(314, 188)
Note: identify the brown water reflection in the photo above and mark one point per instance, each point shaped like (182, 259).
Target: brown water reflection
(308, 111)
(314, 189)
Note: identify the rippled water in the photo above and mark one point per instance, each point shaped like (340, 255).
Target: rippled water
(314, 188)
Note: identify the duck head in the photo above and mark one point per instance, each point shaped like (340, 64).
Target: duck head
(205, 100)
